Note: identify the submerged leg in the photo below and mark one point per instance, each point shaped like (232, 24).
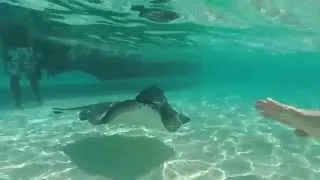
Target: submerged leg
(281, 112)
(305, 122)
(16, 90)
(34, 83)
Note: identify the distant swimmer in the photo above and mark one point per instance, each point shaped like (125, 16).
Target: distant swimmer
(155, 14)
(149, 108)
(305, 122)
(20, 58)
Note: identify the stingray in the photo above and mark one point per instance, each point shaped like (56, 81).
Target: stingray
(148, 108)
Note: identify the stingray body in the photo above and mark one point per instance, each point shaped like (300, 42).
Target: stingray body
(149, 108)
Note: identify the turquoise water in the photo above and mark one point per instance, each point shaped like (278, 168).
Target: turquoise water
(226, 139)
(249, 50)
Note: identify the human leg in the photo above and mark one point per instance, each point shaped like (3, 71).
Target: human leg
(305, 122)
(16, 90)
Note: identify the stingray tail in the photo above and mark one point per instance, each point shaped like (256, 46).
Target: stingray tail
(155, 97)
(59, 110)
(83, 115)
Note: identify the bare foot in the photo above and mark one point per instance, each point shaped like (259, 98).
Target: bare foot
(270, 108)
(283, 113)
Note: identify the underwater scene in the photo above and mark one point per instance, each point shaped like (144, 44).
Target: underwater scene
(159, 90)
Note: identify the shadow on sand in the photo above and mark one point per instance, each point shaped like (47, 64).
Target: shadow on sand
(118, 157)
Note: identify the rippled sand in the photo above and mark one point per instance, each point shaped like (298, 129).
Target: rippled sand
(226, 140)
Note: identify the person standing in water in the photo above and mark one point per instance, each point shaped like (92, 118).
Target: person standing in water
(19, 58)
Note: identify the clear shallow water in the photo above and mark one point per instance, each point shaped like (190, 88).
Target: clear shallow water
(225, 140)
(250, 49)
